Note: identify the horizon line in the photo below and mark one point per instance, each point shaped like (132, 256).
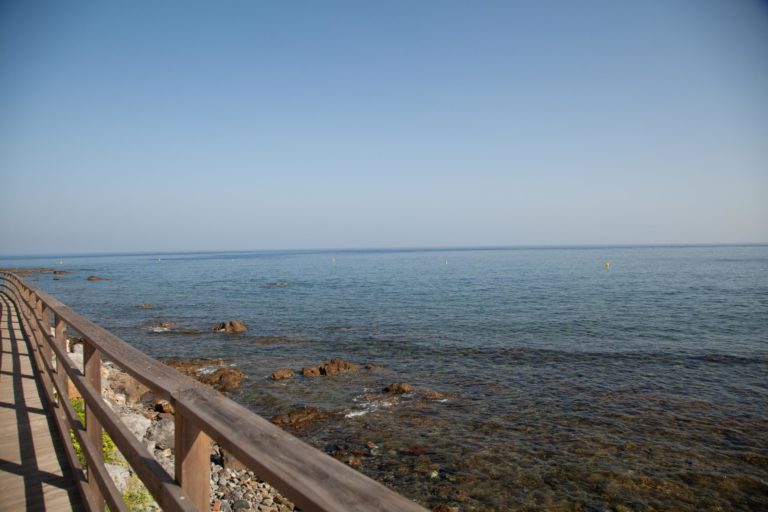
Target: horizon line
(382, 248)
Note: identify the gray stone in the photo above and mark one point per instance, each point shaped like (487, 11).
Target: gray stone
(241, 505)
(162, 433)
(137, 424)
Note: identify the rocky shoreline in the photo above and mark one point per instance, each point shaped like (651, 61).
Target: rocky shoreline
(151, 420)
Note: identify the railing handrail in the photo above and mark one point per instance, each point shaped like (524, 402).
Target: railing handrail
(310, 478)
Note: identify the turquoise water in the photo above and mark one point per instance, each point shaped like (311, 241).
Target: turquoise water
(568, 385)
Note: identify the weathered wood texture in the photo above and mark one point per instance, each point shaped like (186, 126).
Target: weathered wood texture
(34, 472)
(310, 478)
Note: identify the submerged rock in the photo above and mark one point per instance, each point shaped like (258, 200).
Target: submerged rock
(278, 283)
(223, 379)
(298, 417)
(230, 327)
(97, 278)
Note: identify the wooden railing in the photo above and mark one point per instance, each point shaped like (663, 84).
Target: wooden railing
(313, 480)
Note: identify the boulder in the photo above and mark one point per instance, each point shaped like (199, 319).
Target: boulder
(329, 369)
(137, 424)
(230, 327)
(399, 388)
(311, 371)
(162, 431)
(223, 379)
(283, 373)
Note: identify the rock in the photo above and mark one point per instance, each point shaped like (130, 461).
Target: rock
(97, 278)
(230, 327)
(61, 272)
(162, 432)
(311, 371)
(165, 459)
(329, 369)
(205, 371)
(399, 388)
(445, 508)
(241, 505)
(223, 379)
(166, 325)
(432, 395)
(57, 279)
(278, 283)
(121, 475)
(137, 424)
(230, 462)
(300, 416)
(146, 306)
(283, 373)
(161, 405)
(133, 390)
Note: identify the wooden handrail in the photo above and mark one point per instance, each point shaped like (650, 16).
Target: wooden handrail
(313, 480)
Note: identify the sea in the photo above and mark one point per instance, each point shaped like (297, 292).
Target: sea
(567, 378)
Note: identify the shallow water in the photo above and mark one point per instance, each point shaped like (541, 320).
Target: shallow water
(567, 385)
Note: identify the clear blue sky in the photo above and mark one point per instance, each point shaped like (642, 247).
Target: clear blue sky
(140, 126)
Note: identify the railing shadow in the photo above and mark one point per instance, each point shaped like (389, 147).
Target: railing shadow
(34, 477)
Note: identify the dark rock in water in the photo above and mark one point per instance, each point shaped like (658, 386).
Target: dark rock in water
(399, 388)
(311, 371)
(283, 373)
(230, 327)
(57, 279)
(329, 369)
(61, 272)
(301, 416)
(432, 395)
(416, 451)
(278, 283)
(145, 306)
(97, 278)
(223, 379)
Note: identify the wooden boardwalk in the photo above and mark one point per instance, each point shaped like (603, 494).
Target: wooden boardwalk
(34, 473)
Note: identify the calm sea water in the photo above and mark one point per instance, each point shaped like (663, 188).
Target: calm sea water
(568, 385)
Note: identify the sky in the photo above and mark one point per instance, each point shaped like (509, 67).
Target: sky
(179, 126)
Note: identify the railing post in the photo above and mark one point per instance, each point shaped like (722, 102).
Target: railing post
(92, 368)
(193, 461)
(60, 338)
(47, 336)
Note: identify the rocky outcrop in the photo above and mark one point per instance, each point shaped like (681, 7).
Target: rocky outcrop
(283, 373)
(230, 327)
(329, 369)
(223, 379)
(97, 278)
